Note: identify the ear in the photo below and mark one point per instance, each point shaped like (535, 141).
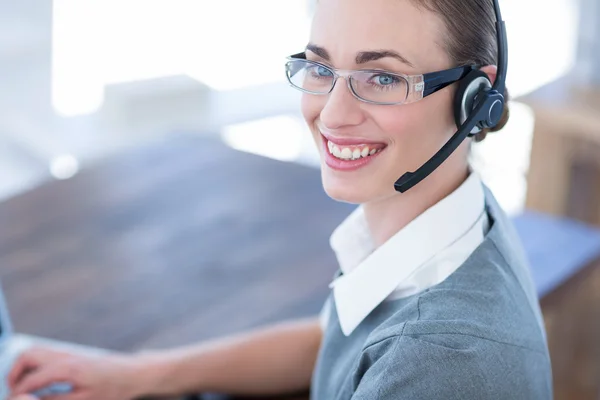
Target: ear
(491, 71)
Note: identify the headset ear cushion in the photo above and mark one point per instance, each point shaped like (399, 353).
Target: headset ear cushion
(468, 88)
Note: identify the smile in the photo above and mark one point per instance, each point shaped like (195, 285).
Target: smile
(350, 154)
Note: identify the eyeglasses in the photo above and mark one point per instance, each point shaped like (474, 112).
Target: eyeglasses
(370, 86)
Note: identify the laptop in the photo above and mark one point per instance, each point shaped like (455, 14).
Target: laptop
(12, 345)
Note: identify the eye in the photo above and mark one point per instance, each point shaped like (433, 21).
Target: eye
(322, 71)
(385, 80)
(319, 72)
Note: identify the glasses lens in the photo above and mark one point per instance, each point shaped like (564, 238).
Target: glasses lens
(309, 76)
(380, 87)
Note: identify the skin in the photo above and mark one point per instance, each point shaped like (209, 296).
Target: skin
(412, 133)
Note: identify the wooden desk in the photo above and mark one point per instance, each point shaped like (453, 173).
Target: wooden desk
(168, 245)
(572, 317)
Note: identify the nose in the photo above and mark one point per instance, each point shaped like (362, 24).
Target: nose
(341, 107)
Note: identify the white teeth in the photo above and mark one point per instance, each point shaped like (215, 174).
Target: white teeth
(346, 153)
(336, 152)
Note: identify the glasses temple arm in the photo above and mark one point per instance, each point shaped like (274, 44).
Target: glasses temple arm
(299, 56)
(436, 81)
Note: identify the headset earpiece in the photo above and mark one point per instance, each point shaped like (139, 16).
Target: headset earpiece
(471, 90)
(477, 105)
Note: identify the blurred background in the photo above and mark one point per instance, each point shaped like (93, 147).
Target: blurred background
(86, 83)
(84, 79)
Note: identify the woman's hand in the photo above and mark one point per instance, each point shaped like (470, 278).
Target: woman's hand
(24, 397)
(93, 377)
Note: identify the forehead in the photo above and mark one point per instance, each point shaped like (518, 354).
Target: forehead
(345, 27)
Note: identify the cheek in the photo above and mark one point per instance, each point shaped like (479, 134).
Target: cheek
(429, 118)
(310, 111)
(403, 125)
(416, 131)
(311, 108)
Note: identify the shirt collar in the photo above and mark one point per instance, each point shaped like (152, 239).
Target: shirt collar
(352, 241)
(370, 275)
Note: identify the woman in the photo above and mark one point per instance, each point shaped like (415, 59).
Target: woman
(433, 299)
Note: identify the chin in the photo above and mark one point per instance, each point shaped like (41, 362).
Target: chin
(346, 196)
(354, 192)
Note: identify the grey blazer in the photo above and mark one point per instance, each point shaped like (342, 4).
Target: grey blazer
(477, 335)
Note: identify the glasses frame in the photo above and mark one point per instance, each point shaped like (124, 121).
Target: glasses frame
(419, 86)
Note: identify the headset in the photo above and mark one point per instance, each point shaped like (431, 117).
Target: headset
(477, 105)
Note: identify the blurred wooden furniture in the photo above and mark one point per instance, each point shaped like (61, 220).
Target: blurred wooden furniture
(169, 245)
(564, 256)
(564, 180)
(572, 317)
(153, 248)
(564, 175)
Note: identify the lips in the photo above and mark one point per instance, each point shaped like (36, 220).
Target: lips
(350, 154)
(348, 141)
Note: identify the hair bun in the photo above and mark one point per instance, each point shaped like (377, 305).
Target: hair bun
(503, 121)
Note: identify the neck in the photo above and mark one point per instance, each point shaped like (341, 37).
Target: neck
(389, 215)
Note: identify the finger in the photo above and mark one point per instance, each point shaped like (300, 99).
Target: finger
(24, 397)
(26, 361)
(14, 376)
(41, 378)
(70, 396)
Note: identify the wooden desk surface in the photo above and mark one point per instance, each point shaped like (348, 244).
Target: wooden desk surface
(167, 245)
(572, 317)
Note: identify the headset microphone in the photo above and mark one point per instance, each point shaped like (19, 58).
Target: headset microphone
(478, 105)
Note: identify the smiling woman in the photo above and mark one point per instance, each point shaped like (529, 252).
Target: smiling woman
(433, 298)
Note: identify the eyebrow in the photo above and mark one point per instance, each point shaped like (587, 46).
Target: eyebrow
(363, 56)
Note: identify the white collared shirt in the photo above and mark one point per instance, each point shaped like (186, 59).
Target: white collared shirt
(421, 255)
